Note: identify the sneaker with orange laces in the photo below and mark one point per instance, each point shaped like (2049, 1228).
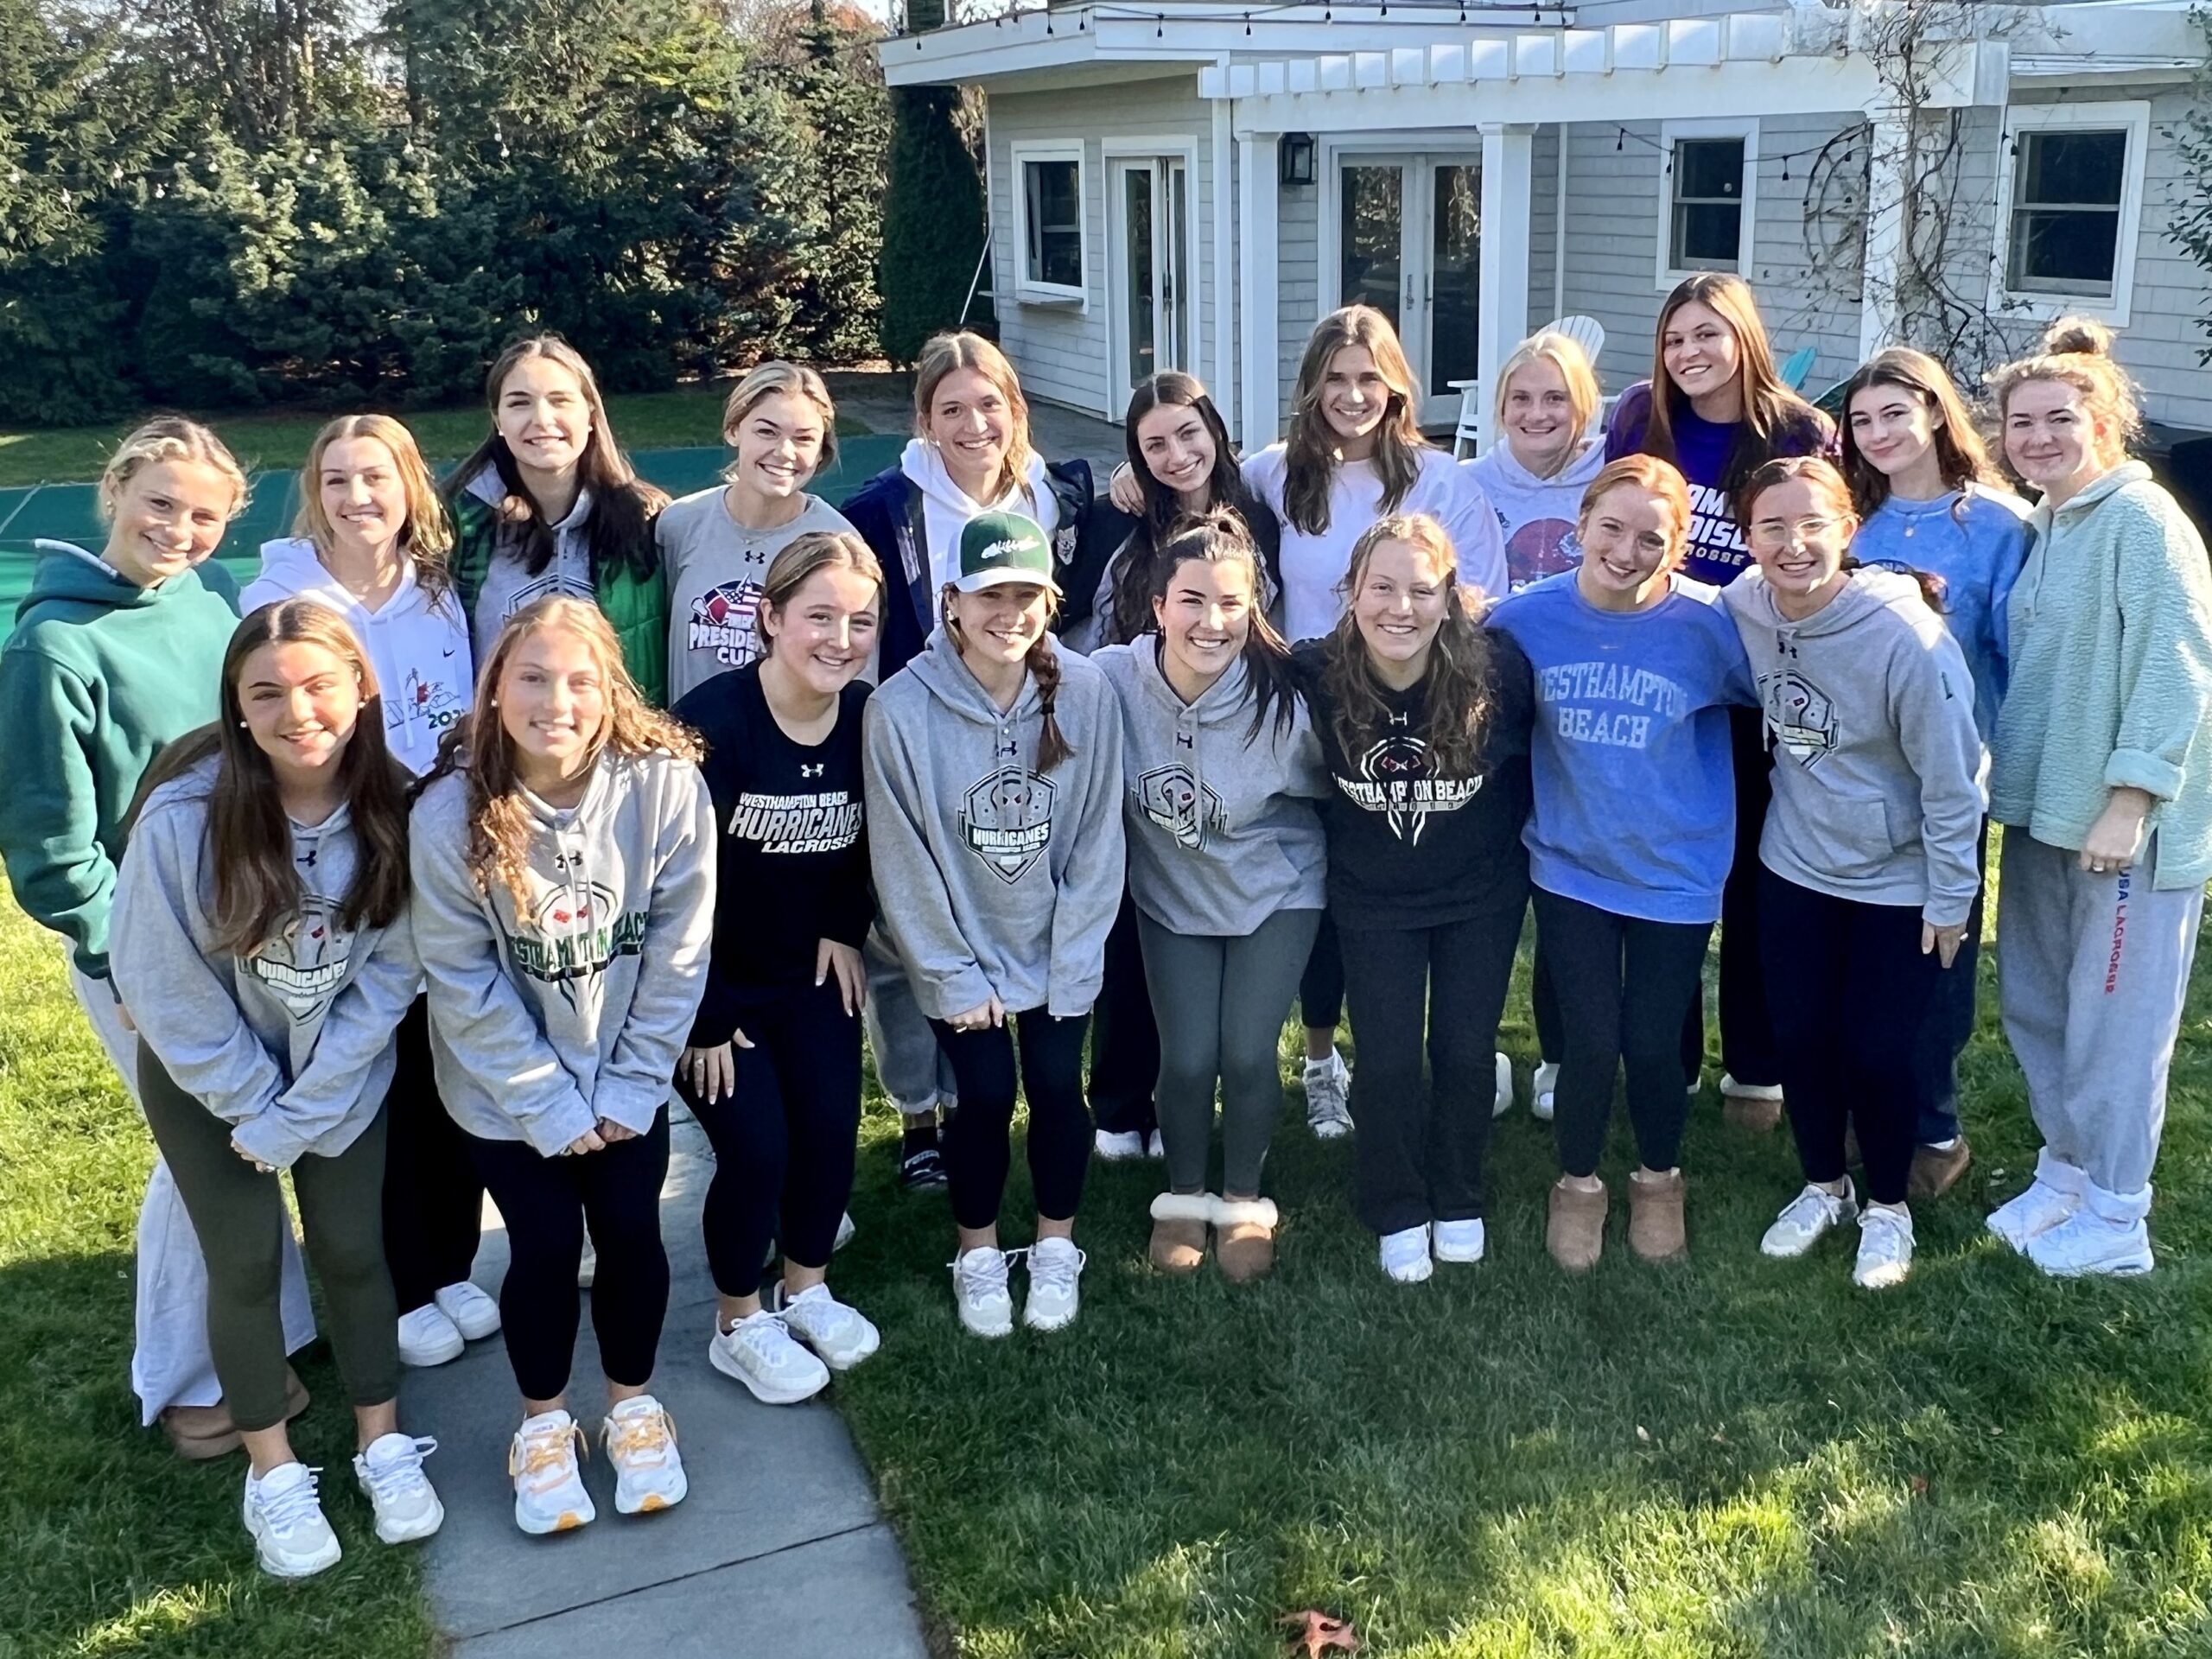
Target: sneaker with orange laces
(640, 1440)
(549, 1495)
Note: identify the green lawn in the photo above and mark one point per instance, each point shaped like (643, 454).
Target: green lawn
(683, 419)
(1730, 1458)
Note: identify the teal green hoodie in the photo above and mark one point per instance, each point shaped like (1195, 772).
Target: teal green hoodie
(98, 675)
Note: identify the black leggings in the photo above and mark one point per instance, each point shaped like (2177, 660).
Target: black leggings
(977, 1143)
(545, 1202)
(1858, 996)
(433, 1197)
(1623, 984)
(1124, 1041)
(1749, 1049)
(1949, 1027)
(783, 1140)
(1421, 1153)
(1321, 991)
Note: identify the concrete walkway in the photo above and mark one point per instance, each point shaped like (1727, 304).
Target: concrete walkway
(779, 1547)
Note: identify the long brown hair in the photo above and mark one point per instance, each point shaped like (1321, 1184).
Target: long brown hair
(1459, 677)
(1960, 455)
(2077, 351)
(1774, 417)
(498, 825)
(956, 349)
(1130, 604)
(1043, 663)
(1310, 450)
(1220, 537)
(623, 506)
(818, 549)
(249, 840)
(427, 537)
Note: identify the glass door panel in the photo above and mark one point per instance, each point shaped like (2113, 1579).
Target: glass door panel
(1371, 238)
(1139, 287)
(1454, 283)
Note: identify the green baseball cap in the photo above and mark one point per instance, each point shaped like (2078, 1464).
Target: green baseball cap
(996, 548)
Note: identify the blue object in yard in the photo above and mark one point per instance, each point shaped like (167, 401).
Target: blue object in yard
(1796, 366)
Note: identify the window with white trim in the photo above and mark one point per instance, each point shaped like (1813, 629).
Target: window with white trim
(2071, 196)
(1049, 213)
(1706, 178)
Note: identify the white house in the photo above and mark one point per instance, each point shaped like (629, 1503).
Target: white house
(1190, 184)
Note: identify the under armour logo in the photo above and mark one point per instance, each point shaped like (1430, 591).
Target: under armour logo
(814, 771)
(1398, 720)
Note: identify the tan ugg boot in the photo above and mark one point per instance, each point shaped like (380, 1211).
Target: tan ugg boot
(1245, 1239)
(1575, 1234)
(1656, 1229)
(1757, 1106)
(1178, 1231)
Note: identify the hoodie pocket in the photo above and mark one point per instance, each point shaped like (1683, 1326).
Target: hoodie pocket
(1845, 836)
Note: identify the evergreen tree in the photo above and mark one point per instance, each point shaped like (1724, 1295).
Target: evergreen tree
(933, 219)
(838, 93)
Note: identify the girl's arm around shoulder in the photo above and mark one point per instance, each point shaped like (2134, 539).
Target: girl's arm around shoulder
(1471, 523)
(1513, 684)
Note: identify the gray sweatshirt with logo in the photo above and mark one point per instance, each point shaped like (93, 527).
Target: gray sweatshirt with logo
(577, 1007)
(1879, 766)
(1222, 827)
(991, 878)
(290, 1044)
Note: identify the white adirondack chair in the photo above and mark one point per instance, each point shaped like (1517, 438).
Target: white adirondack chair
(1586, 332)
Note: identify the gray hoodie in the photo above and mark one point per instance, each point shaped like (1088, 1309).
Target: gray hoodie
(508, 587)
(1878, 764)
(291, 1045)
(544, 1023)
(1223, 832)
(993, 879)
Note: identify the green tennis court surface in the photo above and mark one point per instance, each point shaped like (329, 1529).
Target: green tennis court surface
(65, 512)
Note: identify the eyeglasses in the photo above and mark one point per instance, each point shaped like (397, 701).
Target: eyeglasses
(1769, 533)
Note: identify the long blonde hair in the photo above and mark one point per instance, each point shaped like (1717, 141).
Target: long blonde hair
(1310, 448)
(498, 827)
(2077, 352)
(427, 537)
(167, 437)
(954, 350)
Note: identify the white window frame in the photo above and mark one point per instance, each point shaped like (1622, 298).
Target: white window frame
(1179, 147)
(2132, 116)
(1667, 273)
(1026, 289)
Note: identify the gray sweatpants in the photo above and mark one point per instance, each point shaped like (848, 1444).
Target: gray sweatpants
(1220, 1004)
(909, 1064)
(2092, 972)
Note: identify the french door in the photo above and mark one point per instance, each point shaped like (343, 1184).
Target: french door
(1409, 243)
(1149, 288)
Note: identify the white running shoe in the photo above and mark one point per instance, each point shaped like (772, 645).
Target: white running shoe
(1884, 1247)
(1456, 1241)
(475, 1314)
(1155, 1147)
(549, 1495)
(1120, 1146)
(391, 1473)
(1055, 1284)
(979, 1286)
(2054, 1195)
(1503, 1102)
(1328, 1097)
(290, 1536)
(759, 1351)
(2109, 1234)
(1405, 1256)
(846, 1233)
(836, 1331)
(428, 1337)
(1808, 1215)
(640, 1440)
(1543, 1091)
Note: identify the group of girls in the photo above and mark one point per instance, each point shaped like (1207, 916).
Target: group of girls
(429, 897)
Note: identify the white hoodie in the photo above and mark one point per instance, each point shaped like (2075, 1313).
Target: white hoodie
(946, 508)
(418, 646)
(1537, 515)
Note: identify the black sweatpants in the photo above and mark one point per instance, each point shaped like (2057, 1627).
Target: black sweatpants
(784, 1140)
(1749, 1049)
(433, 1197)
(544, 1202)
(978, 1144)
(1321, 989)
(1420, 1154)
(1623, 984)
(238, 1214)
(1124, 1041)
(1950, 1024)
(1855, 996)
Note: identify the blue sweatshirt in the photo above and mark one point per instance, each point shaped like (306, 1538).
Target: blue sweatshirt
(1975, 540)
(1635, 792)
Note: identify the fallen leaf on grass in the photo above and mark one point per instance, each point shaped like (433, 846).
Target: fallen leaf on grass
(1318, 1632)
(1920, 1485)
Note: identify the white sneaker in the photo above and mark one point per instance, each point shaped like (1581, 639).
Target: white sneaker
(428, 1337)
(2109, 1234)
(1405, 1256)
(391, 1473)
(1155, 1147)
(1543, 1091)
(549, 1495)
(1328, 1097)
(475, 1314)
(1055, 1284)
(1456, 1241)
(837, 1331)
(290, 1536)
(757, 1351)
(1504, 1103)
(1884, 1247)
(846, 1233)
(640, 1440)
(1120, 1146)
(979, 1286)
(2054, 1195)
(1806, 1216)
